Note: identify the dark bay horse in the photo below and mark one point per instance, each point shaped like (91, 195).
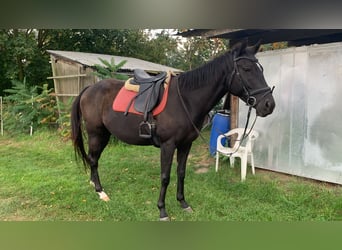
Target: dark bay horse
(192, 95)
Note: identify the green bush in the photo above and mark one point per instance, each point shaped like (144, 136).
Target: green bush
(28, 107)
(64, 123)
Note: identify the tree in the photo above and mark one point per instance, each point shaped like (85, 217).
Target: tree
(17, 49)
(109, 70)
(161, 48)
(26, 108)
(125, 42)
(23, 51)
(196, 51)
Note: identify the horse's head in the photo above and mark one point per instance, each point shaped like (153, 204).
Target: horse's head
(247, 80)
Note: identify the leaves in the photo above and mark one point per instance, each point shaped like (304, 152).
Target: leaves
(110, 69)
(196, 51)
(26, 107)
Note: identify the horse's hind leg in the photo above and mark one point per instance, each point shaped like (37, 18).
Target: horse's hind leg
(97, 142)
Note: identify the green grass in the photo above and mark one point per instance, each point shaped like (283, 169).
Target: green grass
(40, 181)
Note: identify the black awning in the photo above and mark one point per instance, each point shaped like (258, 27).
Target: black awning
(294, 37)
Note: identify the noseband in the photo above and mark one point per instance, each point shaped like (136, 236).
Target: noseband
(251, 100)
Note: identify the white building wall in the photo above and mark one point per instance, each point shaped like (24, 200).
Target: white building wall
(303, 136)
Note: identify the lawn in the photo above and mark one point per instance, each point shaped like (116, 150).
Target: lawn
(40, 181)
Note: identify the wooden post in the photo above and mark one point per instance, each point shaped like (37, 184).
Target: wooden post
(234, 112)
(55, 81)
(234, 115)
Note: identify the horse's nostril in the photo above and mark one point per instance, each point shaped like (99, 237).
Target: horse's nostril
(267, 104)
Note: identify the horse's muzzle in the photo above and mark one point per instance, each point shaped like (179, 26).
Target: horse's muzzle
(266, 106)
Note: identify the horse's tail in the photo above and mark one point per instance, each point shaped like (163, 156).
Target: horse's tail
(76, 130)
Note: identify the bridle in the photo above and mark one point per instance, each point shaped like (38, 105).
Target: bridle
(251, 101)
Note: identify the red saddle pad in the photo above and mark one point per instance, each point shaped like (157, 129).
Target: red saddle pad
(125, 96)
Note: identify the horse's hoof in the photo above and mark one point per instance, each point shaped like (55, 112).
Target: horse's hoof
(164, 218)
(103, 196)
(188, 209)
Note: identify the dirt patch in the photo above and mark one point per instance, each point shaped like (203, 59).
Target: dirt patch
(202, 168)
(201, 162)
(11, 143)
(14, 216)
(284, 178)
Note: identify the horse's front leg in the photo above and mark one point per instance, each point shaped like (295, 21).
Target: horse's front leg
(166, 155)
(182, 156)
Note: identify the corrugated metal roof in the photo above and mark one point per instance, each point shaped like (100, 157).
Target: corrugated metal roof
(90, 59)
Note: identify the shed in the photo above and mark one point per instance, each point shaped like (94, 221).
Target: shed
(72, 71)
(303, 136)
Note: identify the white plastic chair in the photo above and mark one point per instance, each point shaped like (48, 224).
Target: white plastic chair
(242, 151)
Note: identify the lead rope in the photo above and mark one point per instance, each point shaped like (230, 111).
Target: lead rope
(188, 114)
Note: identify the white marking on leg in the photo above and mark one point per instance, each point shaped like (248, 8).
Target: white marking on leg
(164, 219)
(188, 209)
(103, 196)
(92, 183)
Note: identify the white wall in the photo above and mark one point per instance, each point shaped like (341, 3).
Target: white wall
(303, 136)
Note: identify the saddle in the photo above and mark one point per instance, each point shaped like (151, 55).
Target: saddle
(150, 91)
(141, 77)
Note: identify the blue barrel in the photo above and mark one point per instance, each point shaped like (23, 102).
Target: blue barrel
(220, 125)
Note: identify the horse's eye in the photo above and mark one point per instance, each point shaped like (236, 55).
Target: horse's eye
(246, 69)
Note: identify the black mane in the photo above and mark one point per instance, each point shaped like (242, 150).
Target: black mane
(209, 72)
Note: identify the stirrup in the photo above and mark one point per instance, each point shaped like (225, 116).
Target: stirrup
(145, 130)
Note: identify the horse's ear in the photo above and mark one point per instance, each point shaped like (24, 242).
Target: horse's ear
(239, 48)
(255, 48)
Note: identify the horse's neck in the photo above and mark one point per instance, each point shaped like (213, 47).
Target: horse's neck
(208, 86)
(202, 100)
